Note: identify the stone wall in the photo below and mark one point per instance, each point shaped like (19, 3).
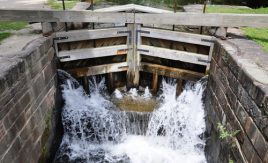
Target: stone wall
(237, 98)
(28, 93)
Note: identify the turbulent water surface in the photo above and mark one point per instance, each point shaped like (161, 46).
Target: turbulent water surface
(95, 130)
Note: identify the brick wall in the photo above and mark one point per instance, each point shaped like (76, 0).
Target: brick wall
(28, 93)
(237, 97)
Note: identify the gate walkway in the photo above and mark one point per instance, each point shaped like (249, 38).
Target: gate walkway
(136, 24)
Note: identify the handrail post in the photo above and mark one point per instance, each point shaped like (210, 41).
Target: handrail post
(47, 29)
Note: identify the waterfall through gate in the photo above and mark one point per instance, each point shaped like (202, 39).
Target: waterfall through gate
(96, 130)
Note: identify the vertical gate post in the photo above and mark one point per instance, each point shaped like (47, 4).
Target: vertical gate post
(133, 56)
(179, 87)
(130, 58)
(85, 84)
(210, 56)
(155, 83)
(110, 79)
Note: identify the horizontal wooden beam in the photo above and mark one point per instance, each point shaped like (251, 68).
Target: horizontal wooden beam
(131, 8)
(183, 56)
(98, 70)
(92, 53)
(192, 19)
(171, 72)
(64, 16)
(198, 19)
(178, 36)
(80, 35)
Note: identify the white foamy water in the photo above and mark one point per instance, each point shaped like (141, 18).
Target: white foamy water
(133, 92)
(118, 94)
(147, 94)
(96, 131)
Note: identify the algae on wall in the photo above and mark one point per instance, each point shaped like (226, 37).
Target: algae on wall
(52, 135)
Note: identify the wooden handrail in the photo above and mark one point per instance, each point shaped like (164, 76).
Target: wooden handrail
(195, 19)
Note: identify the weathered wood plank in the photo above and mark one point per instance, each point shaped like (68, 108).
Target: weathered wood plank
(130, 59)
(210, 56)
(178, 36)
(80, 35)
(183, 56)
(194, 19)
(132, 7)
(137, 56)
(65, 16)
(133, 57)
(197, 19)
(79, 6)
(98, 70)
(92, 53)
(171, 72)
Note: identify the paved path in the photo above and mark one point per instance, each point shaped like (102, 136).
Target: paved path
(27, 4)
(20, 38)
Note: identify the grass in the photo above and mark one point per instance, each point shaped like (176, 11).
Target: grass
(4, 35)
(57, 5)
(5, 27)
(259, 35)
(12, 25)
(222, 9)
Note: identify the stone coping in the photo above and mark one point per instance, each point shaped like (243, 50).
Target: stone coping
(250, 67)
(14, 64)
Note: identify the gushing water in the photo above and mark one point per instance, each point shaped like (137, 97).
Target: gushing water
(95, 130)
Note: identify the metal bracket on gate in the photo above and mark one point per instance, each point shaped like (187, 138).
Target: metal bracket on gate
(60, 38)
(207, 40)
(64, 57)
(123, 67)
(129, 35)
(143, 50)
(142, 31)
(202, 60)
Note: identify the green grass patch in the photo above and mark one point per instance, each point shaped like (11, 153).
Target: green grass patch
(57, 5)
(6, 26)
(259, 35)
(12, 25)
(236, 10)
(4, 35)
